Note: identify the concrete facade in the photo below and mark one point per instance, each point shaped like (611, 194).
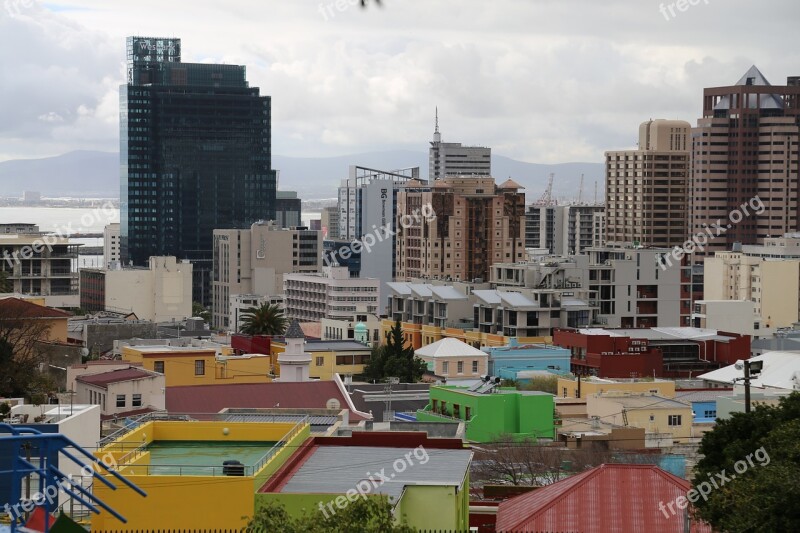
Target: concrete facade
(331, 294)
(110, 244)
(564, 229)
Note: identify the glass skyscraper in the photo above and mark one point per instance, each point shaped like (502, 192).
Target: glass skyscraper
(195, 156)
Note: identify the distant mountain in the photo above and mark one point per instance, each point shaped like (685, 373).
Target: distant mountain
(96, 174)
(77, 174)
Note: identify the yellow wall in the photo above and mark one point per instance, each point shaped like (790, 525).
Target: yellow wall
(322, 372)
(179, 366)
(589, 387)
(610, 410)
(418, 336)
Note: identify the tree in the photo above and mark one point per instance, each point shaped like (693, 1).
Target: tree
(21, 351)
(395, 359)
(5, 284)
(201, 311)
(365, 515)
(542, 383)
(749, 469)
(265, 320)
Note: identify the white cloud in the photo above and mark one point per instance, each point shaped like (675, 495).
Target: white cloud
(538, 80)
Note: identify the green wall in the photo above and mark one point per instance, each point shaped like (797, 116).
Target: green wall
(492, 415)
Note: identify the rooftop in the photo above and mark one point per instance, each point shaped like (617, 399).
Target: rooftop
(781, 371)
(16, 308)
(660, 334)
(449, 347)
(104, 379)
(648, 401)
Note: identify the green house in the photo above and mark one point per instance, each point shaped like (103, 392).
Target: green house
(520, 414)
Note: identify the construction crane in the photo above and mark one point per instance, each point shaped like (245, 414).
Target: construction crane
(580, 191)
(547, 196)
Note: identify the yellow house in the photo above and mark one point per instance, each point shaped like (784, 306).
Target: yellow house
(329, 357)
(665, 421)
(188, 365)
(418, 335)
(568, 387)
(54, 321)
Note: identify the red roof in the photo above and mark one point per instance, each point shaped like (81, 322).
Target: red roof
(214, 398)
(16, 308)
(610, 498)
(104, 379)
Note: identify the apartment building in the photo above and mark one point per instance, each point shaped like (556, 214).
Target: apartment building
(253, 261)
(646, 188)
(110, 244)
(745, 146)
(448, 159)
(331, 294)
(564, 229)
(477, 224)
(329, 221)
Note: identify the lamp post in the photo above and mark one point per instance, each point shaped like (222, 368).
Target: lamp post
(751, 370)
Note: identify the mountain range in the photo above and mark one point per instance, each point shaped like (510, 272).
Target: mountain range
(91, 174)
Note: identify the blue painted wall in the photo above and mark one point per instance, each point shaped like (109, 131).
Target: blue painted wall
(505, 360)
(704, 411)
(7, 458)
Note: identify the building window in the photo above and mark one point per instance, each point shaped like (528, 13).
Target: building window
(460, 367)
(456, 411)
(200, 367)
(137, 400)
(158, 366)
(445, 367)
(120, 400)
(320, 361)
(475, 367)
(467, 413)
(674, 420)
(710, 414)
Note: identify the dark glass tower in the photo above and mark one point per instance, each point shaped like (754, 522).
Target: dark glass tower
(194, 156)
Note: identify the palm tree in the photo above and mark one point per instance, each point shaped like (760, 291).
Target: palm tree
(265, 320)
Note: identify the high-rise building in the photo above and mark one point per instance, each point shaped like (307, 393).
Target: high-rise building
(646, 189)
(288, 209)
(563, 229)
(195, 156)
(447, 159)
(476, 224)
(744, 147)
(329, 219)
(253, 261)
(111, 244)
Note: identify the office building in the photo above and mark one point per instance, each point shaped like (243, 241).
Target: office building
(564, 229)
(195, 156)
(288, 209)
(332, 294)
(646, 188)
(111, 244)
(253, 261)
(745, 146)
(451, 159)
(476, 225)
(329, 220)
(161, 292)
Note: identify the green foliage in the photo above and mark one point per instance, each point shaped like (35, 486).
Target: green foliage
(201, 311)
(364, 515)
(265, 320)
(395, 360)
(5, 284)
(5, 408)
(762, 496)
(542, 383)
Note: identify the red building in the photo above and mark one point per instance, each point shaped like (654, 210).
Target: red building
(658, 352)
(247, 344)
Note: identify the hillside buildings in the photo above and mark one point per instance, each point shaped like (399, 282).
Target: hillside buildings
(195, 156)
(253, 261)
(162, 292)
(745, 146)
(646, 189)
(476, 225)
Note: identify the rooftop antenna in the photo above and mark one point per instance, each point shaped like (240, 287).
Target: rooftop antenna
(595, 192)
(580, 191)
(437, 137)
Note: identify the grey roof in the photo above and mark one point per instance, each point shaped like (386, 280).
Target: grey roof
(768, 101)
(399, 287)
(334, 345)
(516, 299)
(316, 421)
(447, 292)
(294, 331)
(488, 296)
(337, 469)
(701, 395)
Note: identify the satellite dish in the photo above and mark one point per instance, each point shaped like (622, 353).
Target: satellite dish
(84, 351)
(333, 403)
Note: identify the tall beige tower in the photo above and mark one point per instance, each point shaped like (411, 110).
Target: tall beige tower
(646, 188)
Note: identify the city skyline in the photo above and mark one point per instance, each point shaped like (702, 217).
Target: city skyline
(543, 86)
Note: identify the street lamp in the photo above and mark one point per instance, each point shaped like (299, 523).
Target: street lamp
(751, 370)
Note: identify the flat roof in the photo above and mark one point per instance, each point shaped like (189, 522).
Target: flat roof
(337, 469)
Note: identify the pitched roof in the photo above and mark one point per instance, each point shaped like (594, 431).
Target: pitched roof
(781, 371)
(449, 347)
(16, 308)
(214, 398)
(294, 331)
(104, 379)
(510, 184)
(599, 501)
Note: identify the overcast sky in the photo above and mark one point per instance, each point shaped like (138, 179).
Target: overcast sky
(543, 81)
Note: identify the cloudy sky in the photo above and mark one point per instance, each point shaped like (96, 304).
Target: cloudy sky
(543, 81)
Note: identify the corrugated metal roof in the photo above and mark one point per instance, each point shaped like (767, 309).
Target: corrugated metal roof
(516, 299)
(613, 498)
(399, 288)
(490, 297)
(781, 370)
(337, 469)
(446, 292)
